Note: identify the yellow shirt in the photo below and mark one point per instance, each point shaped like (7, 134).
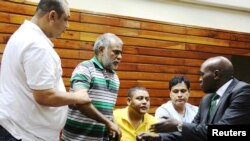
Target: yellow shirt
(128, 131)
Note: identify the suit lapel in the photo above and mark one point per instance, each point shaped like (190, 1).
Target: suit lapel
(207, 107)
(223, 99)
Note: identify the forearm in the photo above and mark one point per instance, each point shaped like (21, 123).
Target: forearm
(54, 98)
(90, 111)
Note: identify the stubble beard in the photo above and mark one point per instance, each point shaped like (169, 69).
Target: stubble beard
(107, 61)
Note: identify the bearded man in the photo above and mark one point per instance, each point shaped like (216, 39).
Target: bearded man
(93, 121)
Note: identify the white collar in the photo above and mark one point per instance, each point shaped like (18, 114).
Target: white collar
(223, 88)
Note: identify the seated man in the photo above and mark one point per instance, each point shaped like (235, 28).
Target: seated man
(134, 118)
(177, 107)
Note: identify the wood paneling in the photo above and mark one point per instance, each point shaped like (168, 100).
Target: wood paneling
(153, 51)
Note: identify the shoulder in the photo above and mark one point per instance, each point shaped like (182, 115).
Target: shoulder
(165, 105)
(150, 119)
(237, 89)
(188, 105)
(240, 92)
(241, 86)
(87, 63)
(120, 112)
(191, 107)
(82, 70)
(163, 109)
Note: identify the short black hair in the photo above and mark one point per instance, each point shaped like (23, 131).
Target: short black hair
(45, 6)
(132, 90)
(178, 79)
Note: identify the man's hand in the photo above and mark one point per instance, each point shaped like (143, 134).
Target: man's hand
(168, 125)
(148, 137)
(114, 131)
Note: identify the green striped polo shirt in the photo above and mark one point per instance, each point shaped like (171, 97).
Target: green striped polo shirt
(102, 88)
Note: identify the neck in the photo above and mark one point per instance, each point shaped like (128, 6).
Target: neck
(180, 110)
(39, 22)
(99, 58)
(35, 20)
(135, 118)
(222, 82)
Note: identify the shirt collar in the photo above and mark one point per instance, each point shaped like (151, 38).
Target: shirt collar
(223, 88)
(95, 60)
(37, 29)
(125, 117)
(100, 66)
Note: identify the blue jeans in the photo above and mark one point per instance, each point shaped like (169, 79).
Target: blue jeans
(6, 136)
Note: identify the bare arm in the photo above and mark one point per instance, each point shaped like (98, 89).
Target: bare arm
(54, 98)
(90, 111)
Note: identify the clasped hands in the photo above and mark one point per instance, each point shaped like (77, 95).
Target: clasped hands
(164, 126)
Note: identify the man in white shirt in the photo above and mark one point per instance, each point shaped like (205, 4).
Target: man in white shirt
(33, 100)
(178, 107)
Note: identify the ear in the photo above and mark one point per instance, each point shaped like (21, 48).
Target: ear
(101, 49)
(53, 15)
(128, 101)
(216, 75)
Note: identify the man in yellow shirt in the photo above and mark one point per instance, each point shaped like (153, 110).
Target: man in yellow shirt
(134, 119)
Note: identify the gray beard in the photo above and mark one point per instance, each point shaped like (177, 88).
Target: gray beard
(106, 62)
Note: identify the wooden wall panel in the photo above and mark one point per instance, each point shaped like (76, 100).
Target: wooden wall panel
(153, 52)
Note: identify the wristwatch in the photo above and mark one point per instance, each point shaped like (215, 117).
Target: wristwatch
(179, 127)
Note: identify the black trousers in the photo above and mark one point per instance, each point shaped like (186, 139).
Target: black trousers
(6, 136)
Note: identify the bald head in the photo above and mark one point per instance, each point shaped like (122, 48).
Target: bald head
(45, 6)
(215, 72)
(220, 63)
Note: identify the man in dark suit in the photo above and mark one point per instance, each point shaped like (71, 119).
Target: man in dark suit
(232, 106)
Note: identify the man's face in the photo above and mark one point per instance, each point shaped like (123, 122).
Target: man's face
(139, 102)
(60, 23)
(207, 81)
(179, 94)
(112, 56)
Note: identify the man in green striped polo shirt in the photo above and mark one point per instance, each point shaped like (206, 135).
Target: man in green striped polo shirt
(94, 121)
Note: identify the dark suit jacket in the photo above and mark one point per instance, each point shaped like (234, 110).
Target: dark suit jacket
(233, 108)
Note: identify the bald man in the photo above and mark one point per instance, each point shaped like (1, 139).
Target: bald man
(33, 99)
(232, 105)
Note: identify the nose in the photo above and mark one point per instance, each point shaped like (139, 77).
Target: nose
(180, 94)
(119, 56)
(144, 100)
(200, 79)
(67, 25)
